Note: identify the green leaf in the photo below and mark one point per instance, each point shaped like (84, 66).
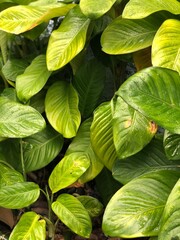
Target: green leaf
(165, 52)
(19, 195)
(9, 176)
(140, 9)
(156, 95)
(68, 40)
(19, 19)
(67, 171)
(61, 106)
(149, 159)
(37, 101)
(17, 120)
(13, 68)
(170, 228)
(33, 79)
(89, 83)
(73, 214)
(92, 205)
(41, 148)
(95, 9)
(128, 126)
(136, 209)
(81, 144)
(126, 35)
(172, 145)
(29, 227)
(102, 135)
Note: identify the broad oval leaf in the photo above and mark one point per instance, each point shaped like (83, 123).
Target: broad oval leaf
(82, 144)
(136, 209)
(139, 9)
(68, 40)
(17, 120)
(92, 205)
(29, 227)
(9, 176)
(172, 145)
(61, 106)
(131, 130)
(94, 9)
(41, 148)
(33, 79)
(150, 159)
(156, 95)
(170, 226)
(19, 195)
(126, 35)
(102, 135)
(89, 83)
(68, 170)
(19, 19)
(165, 52)
(73, 214)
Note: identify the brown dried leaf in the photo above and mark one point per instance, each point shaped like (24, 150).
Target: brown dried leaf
(6, 216)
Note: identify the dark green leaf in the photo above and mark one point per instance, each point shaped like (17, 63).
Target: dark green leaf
(172, 145)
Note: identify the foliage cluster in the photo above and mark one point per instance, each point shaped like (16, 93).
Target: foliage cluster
(64, 92)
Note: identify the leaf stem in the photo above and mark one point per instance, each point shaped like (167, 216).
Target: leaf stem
(22, 160)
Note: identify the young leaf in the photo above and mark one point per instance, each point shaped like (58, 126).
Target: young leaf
(29, 227)
(68, 40)
(102, 135)
(126, 35)
(68, 170)
(95, 9)
(170, 226)
(73, 214)
(41, 148)
(19, 19)
(92, 205)
(172, 145)
(81, 144)
(19, 195)
(156, 95)
(89, 83)
(131, 130)
(9, 176)
(33, 79)
(136, 209)
(61, 106)
(149, 159)
(17, 120)
(165, 52)
(142, 8)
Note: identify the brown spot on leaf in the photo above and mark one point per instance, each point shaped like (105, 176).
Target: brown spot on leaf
(153, 127)
(128, 123)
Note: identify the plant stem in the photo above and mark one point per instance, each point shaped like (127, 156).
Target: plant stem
(22, 160)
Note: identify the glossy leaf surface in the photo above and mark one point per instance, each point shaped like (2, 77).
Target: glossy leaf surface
(73, 214)
(126, 35)
(41, 148)
(61, 106)
(170, 219)
(17, 120)
(68, 40)
(156, 95)
(102, 135)
(89, 83)
(94, 9)
(136, 209)
(67, 171)
(82, 144)
(33, 79)
(19, 195)
(127, 123)
(150, 159)
(165, 52)
(140, 9)
(29, 227)
(172, 145)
